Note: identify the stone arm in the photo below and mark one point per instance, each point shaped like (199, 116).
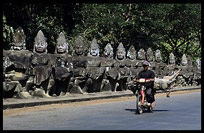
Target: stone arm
(167, 79)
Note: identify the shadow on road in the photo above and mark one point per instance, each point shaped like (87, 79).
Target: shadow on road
(156, 110)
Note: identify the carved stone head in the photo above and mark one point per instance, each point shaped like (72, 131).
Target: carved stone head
(94, 48)
(108, 51)
(120, 53)
(131, 54)
(172, 60)
(149, 55)
(184, 60)
(18, 40)
(62, 45)
(189, 60)
(40, 44)
(79, 46)
(158, 56)
(141, 54)
(198, 63)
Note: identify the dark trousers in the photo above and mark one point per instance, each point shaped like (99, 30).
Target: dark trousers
(150, 95)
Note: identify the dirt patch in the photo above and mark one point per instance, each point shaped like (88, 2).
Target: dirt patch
(9, 112)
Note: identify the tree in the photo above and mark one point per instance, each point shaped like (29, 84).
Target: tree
(177, 26)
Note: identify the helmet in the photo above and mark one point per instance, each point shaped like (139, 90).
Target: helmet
(145, 63)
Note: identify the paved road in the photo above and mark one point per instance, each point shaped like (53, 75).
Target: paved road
(180, 112)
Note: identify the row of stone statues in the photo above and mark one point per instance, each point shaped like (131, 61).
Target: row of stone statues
(39, 73)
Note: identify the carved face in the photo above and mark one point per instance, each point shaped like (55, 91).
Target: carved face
(184, 61)
(198, 63)
(108, 51)
(158, 56)
(79, 50)
(120, 54)
(149, 55)
(141, 54)
(62, 45)
(131, 53)
(40, 44)
(172, 59)
(19, 39)
(94, 51)
(41, 47)
(62, 48)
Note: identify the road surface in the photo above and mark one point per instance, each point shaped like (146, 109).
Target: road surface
(180, 112)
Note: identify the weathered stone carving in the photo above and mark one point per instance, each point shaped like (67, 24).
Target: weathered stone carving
(197, 73)
(160, 67)
(198, 64)
(41, 67)
(141, 54)
(108, 51)
(186, 72)
(62, 68)
(42, 74)
(16, 67)
(149, 55)
(171, 67)
(94, 70)
(149, 58)
(19, 42)
(121, 68)
(172, 60)
(131, 62)
(141, 58)
(167, 82)
(78, 81)
(107, 62)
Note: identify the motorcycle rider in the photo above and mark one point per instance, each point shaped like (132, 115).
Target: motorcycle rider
(149, 76)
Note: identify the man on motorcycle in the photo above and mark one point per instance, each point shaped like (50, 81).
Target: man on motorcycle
(149, 76)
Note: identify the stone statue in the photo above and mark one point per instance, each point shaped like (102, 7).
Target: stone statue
(171, 64)
(11, 88)
(149, 55)
(158, 57)
(197, 73)
(186, 71)
(122, 69)
(107, 62)
(184, 60)
(108, 51)
(131, 62)
(160, 67)
(198, 64)
(63, 67)
(132, 53)
(141, 54)
(172, 60)
(94, 70)
(17, 74)
(141, 58)
(167, 82)
(41, 65)
(149, 58)
(18, 40)
(78, 81)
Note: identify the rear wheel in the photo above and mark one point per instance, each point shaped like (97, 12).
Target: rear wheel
(139, 109)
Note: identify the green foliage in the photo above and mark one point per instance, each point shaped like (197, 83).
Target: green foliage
(168, 27)
(8, 32)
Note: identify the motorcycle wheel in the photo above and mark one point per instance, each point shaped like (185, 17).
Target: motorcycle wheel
(139, 109)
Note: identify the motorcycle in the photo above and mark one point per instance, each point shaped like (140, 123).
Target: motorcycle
(138, 88)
